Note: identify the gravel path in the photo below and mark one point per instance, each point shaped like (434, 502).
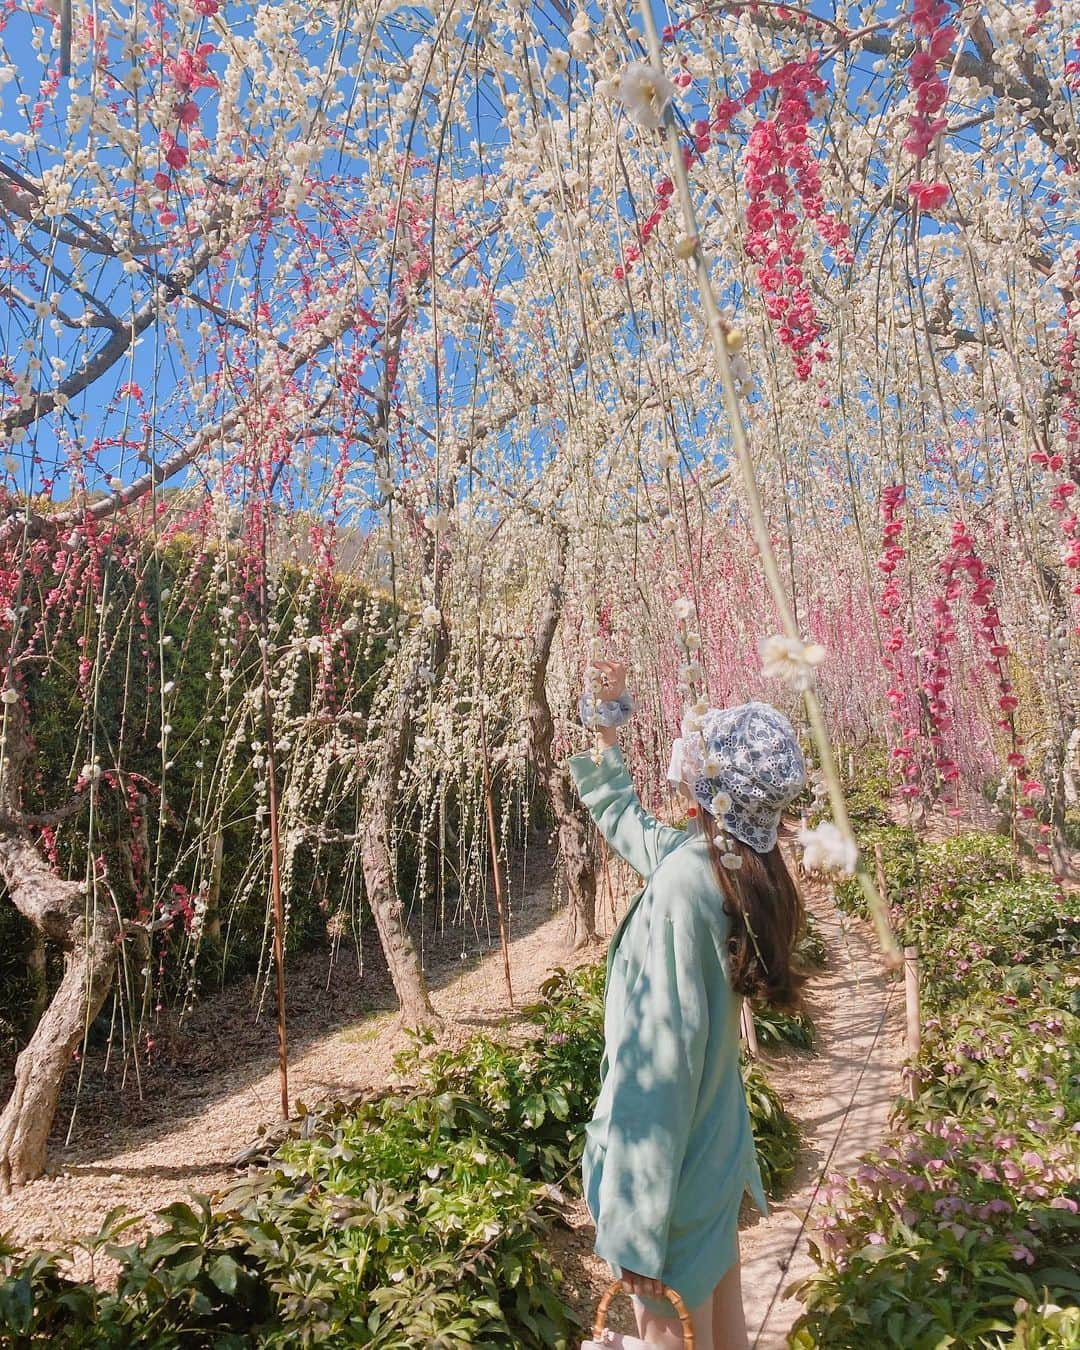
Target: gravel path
(196, 1115)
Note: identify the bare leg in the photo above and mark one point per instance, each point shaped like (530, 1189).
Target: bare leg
(729, 1320)
(667, 1331)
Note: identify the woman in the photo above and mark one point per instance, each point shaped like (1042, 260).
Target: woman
(669, 1151)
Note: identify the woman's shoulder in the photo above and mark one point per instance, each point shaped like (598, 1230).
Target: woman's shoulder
(685, 887)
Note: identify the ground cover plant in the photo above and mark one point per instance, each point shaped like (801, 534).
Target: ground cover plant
(414, 1217)
(963, 1228)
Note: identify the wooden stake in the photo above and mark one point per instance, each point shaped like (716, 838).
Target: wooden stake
(275, 894)
(914, 1027)
(749, 1031)
(275, 840)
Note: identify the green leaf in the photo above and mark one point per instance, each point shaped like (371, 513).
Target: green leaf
(223, 1272)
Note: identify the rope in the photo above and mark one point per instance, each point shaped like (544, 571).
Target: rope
(786, 1263)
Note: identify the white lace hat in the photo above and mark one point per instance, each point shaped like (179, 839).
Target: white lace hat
(744, 767)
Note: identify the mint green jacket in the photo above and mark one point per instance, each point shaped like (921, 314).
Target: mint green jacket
(669, 1151)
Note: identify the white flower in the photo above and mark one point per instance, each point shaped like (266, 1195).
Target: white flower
(693, 642)
(828, 849)
(791, 660)
(91, 773)
(710, 766)
(424, 745)
(690, 673)
(314, 645)
(683, 607)
(731, 861)
(557, 63)
(431, 617)
(720, 804)
(10, 696)
(668, 457)
(645, 92)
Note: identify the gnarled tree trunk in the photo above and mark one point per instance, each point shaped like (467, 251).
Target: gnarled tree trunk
(573, 823)
(380, 884)
(63, 913)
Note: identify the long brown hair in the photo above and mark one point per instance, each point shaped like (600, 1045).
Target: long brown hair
(766, 914)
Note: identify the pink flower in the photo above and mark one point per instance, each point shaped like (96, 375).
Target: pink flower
(929, 196)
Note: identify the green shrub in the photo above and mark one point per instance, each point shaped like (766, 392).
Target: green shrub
(414, 1217)
(776, 1135)
(900, 856)
(810, 950)
(968, 1218)
(774, 1027)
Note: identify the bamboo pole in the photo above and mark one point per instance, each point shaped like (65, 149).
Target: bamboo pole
(762, 537)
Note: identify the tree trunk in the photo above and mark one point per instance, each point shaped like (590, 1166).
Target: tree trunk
(573, 823)
(380, 887)
(39, 1071)
(36, 964)
(62, 912)
(576, 848)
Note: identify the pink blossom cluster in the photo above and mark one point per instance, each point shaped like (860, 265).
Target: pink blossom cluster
(665, 195)
(1072, 68)
(780, 170)
(929, 23)
(889, 606)
(1042, 9)
(960, 559)
(187, 72)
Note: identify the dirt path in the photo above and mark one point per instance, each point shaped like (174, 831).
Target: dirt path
(175, 1147)
(207, 1099)
(841, 1097)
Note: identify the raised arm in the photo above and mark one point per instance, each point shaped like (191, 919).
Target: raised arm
(609, 796)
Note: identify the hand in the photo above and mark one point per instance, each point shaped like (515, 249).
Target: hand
(641, 1285)
(611, 681)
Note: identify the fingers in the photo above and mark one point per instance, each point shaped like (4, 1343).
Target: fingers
(641, 1286)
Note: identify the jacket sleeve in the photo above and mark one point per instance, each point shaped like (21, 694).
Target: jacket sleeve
(655, 1065)
(611, 800)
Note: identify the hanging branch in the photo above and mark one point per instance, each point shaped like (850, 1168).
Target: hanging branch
(762, 537)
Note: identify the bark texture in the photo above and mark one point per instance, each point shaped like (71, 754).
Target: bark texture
(573, 822)
(63, 913)
(380, 885)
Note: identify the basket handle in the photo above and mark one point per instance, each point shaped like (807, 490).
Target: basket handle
(680, 1307)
